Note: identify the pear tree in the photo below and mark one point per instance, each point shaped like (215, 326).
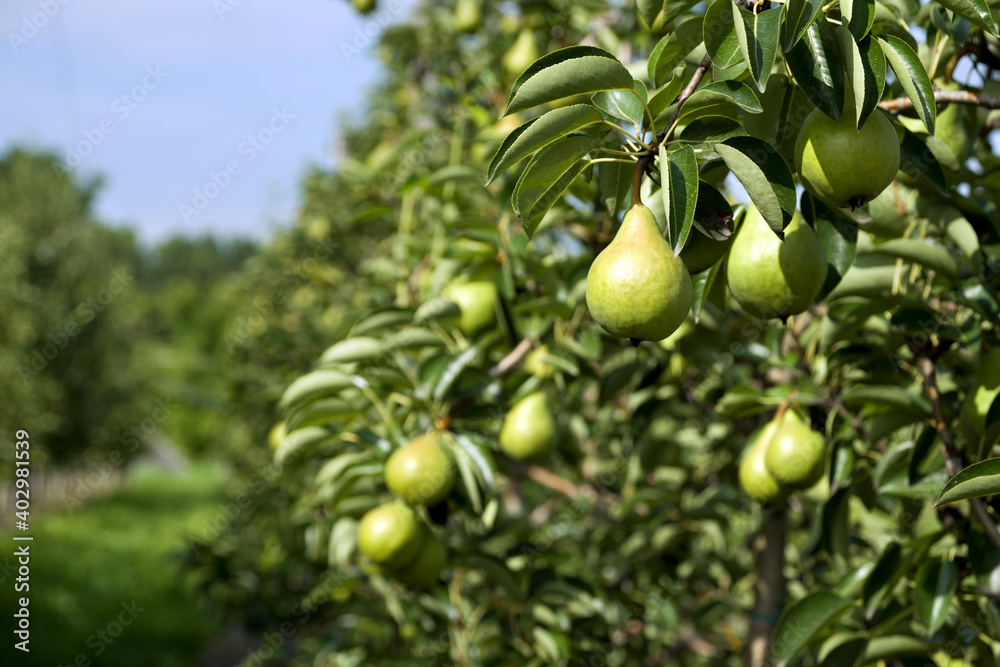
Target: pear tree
(699, 301)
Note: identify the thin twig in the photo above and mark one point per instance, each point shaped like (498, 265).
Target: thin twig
(688, 91)
(512, 359)
(554, 482)
(952, 458)
(941, 96)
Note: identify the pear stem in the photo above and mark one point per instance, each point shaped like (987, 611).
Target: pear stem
(640, 169)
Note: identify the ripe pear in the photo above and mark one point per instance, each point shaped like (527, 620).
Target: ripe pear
(842, 166)
(422, 472)
(769, 277)
(529, 431)
(522, 54)
(390, 534)
(637, 288)
(756, 480)
(477, 302)
(467, 15)
(796, 454)
(425, 569)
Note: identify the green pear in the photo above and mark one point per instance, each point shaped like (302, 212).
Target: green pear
(770, 277)
(425, 569)
(537, 363)
(477, 302)
(529, 431)
(522, 54)
(422, 472)
(390, 535)
(796, 454)
(842, 166)
(756, 480)
(637, 288)
(467, 15)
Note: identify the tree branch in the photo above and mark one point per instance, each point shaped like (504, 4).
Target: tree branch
(699, 74)
(952, 458)
(512, 359)
(769, 554)
(901, 104)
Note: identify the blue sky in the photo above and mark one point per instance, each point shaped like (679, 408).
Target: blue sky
(201, 114)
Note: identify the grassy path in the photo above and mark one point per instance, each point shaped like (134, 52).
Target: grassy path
(111, 568)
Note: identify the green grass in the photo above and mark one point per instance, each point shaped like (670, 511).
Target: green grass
(87, 563)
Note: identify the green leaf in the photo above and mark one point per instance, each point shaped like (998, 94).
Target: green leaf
(703, 283)
(298, 441)
(351, 349)
(976, 11)
(912, 76)
(817, 65)
(314, 385)
(721, 42)
(846, 653)
(888, 396)
(326, 410)
(858, 16)
(865, 84)
(547, 176)
(338, 465)
(735, 92)
(540, 132)
(888, 569)
(918, 161)
(679, 181)
(575, 70)
(933, 257)
(892, 647)
(664, 97)
(674, 8)
(936, 581)
(615, 179)
(455, 368)
(765, 176)
(837, 236)
(438, 307)
(835, 526)
(758, 37)
(381, 321)
(799, 15)
(803, 620)
(624, 104)
(921, 448)
(649, 9)
(975, 481)
(710, 130)
(673, 49)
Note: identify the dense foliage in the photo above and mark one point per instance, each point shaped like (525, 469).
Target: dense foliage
(633, 543)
